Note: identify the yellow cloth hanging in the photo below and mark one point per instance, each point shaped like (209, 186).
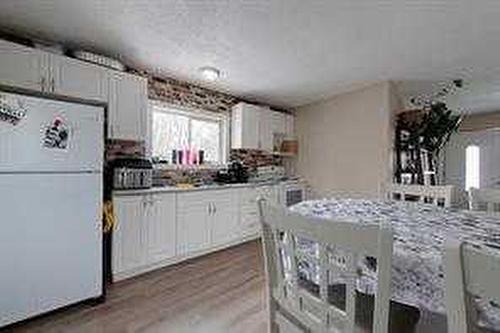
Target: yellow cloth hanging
(108, 216)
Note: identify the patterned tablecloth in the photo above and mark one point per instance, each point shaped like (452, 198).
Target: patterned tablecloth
(419, 234)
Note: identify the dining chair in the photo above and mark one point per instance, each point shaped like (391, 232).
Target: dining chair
(438, 195)
(339, 245)
(484, 199)
(472, 271)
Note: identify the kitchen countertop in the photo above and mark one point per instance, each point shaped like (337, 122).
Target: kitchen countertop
(163, 189)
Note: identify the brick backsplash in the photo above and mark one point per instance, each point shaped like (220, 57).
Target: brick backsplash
(253, 158)
(123, 148)
(184, 175)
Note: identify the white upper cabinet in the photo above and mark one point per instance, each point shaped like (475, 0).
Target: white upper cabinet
(71, 77)
(290, 125)
(266, 129)
(126, 94)
(29, 68)
(255, 127)
(127, 106)
(278, 122)
(21, 66)
(245, 119)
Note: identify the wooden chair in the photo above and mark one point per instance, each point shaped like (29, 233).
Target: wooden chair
(437, 195)
(339, 245)
(471, 270)
(484, 199)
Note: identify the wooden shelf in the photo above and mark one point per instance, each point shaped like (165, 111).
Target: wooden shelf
(283, 154)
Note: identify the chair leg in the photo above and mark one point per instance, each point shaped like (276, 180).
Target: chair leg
(272, 326)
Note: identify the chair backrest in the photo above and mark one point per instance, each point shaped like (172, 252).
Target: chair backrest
(484, 199)
(338, 247)
(437, 195)
(471, 271)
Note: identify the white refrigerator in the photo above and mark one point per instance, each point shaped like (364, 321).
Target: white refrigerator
(51, 157)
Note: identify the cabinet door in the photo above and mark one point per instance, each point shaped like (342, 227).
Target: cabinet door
(225, 226)
(20, 66)
(270, 193)
(161, 227)
(290, 125)
(278, 122)
(193, 229)
(129, 236)
(266, 136)
(127, 107)
(278, 129)
(77, 79)
(245, 126)
(249, 212)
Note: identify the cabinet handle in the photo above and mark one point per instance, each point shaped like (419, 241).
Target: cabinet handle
(215, 209)
(209, 206)
(52, 85)
(42, 83)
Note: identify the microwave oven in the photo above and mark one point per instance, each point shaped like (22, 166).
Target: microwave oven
(292, 193)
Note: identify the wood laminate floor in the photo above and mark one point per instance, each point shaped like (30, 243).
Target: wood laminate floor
(217, 293)
(220, 292)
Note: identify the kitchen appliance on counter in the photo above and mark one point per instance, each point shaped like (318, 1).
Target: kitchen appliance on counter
(132, 173)
(235, 173)
(293, 192)
(269, 173)
(51, 193)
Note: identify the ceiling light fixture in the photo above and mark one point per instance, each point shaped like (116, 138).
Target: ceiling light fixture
(209, 73)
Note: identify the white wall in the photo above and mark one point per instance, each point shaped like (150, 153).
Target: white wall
(345, 142)
(489, 158)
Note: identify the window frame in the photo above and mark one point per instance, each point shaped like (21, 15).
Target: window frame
(222, 118)
(472, 166)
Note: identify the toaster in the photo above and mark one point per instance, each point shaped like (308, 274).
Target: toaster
(132, 173)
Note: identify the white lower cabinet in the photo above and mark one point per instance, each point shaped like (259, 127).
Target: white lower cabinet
(193, 222)
(145, 233)
(161, 227)
(224, 217)
(249, 212)
(129, 235)
(156, 230)
(207, 219)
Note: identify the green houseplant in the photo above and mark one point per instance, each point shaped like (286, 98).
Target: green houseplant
(429, 133)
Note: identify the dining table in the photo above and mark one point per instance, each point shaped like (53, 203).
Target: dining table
(420, 231)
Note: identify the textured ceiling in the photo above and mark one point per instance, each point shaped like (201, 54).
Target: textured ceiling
(476, 96)
(288, 52)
